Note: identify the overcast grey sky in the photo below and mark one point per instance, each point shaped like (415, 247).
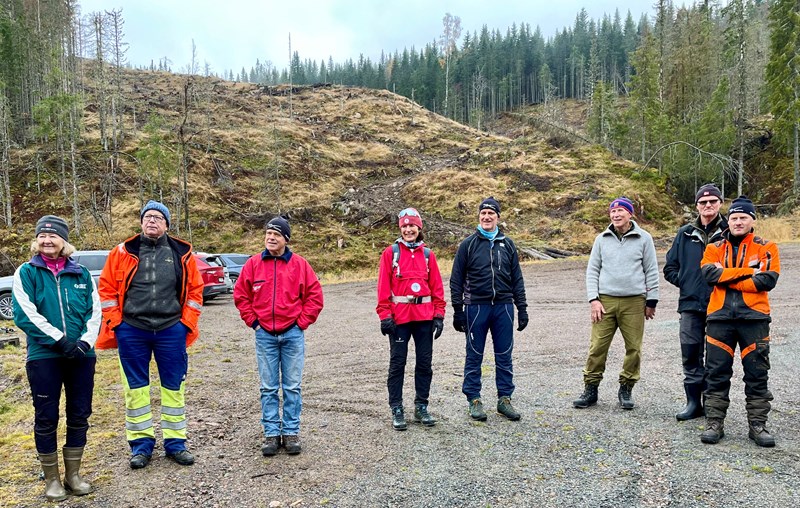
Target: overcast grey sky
(231, 34)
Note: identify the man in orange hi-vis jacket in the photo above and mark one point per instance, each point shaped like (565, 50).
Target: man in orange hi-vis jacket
(742, 268)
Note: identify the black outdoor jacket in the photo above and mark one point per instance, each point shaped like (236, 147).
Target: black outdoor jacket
(683, 264)
(487, 274)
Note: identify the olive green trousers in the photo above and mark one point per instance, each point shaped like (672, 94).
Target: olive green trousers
(625, 313)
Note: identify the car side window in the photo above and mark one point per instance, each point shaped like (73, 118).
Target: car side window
(92, 261)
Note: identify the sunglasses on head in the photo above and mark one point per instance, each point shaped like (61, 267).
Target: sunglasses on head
(408, 211)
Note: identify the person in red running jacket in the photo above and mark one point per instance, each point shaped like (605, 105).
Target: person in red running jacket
(279, 296)
(410, 304)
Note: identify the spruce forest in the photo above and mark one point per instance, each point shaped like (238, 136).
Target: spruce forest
(705, 91)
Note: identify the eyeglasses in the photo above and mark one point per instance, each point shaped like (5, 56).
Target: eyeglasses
(708, 202)
(408, 211)
(153, 218)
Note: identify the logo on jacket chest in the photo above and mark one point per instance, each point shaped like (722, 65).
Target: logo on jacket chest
(415, 287)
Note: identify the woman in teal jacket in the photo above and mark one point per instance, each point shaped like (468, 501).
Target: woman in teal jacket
(57, 306)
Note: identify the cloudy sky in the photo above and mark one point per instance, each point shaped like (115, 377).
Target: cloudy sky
(231, 34)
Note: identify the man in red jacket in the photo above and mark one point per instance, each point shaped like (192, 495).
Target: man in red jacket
(279, 296)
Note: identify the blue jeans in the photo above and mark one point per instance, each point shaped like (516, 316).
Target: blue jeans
(280, 365)
(481, 319)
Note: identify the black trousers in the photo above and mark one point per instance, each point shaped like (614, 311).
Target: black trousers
(422, 332)
(752, 337)
(46, 377)
(693, 337)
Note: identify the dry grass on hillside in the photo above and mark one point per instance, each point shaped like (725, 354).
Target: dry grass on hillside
(323, 144)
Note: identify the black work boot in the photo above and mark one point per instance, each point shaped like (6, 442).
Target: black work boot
(694, 403)
(759, 433)
(398, 418)
(715, 430)
(625, 396)
(587, 398)
(421, 415)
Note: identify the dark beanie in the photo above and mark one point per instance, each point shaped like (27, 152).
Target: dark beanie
(280, 225)
(159, 207)
(742, 205)
(53, 224)
(491, 204)
(708, 190)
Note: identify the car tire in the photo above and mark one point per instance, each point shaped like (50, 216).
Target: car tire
(6, 309)
(234, 278)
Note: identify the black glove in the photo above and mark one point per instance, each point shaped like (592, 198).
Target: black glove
(388, 327)
(66, 347)
(459, 320)
(83, 348)
(522, 317)
(438, 327)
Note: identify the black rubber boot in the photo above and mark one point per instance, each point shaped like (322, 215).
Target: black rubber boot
(694, 403)
(587, 398)
(625, 395)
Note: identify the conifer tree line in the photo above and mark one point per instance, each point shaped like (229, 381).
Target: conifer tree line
(682, 91)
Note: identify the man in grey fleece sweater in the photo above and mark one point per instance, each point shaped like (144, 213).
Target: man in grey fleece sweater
(622, 289)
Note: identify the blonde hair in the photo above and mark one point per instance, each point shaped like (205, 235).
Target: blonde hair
(66, 251)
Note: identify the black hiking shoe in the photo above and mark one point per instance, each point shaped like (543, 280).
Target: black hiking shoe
(587, 398)
(139, 461)
(625, 396)
(270, 446)
(398, 418)
(421, 415)
(292, 444)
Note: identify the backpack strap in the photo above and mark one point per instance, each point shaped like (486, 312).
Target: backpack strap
(396, 258)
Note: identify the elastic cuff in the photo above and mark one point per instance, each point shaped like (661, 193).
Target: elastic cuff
(651, 303)
(255, 325)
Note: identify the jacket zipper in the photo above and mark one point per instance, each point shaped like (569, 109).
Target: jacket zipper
(274, 289)
(61, 305)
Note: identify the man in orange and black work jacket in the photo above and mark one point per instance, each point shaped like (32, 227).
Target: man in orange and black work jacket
(743, 268)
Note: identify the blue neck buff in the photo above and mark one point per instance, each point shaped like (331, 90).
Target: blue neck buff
(489, 235)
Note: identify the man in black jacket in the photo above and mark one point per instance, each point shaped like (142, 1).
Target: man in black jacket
(487, 279)
(682, 269)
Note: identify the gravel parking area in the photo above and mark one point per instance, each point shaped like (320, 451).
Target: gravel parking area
(554, 456)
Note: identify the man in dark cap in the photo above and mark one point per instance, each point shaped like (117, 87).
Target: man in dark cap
(151, 293)
(682, 269)
(485, 285)
(279, 296)
(743, 269)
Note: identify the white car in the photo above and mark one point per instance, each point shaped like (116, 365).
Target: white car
(6, 310)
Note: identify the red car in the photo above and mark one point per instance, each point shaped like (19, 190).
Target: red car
(213, 278)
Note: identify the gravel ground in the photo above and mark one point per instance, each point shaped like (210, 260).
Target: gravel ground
(554, 456)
